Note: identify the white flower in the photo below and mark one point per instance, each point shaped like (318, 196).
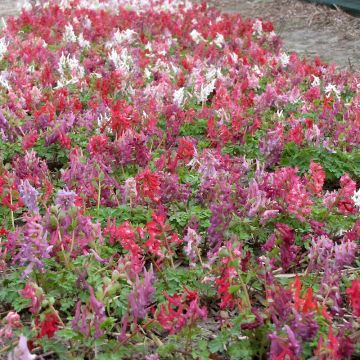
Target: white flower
(257, 27)
(147, 73)
(316, 81)
(234, 57)
(24, 4)
(284, 59)
(356, 198)
(3, 47)
(87, 23)
(205, 91)
(213, 73)
(332, 88)
(279, 113)
(70, 71)
(148, 46)
(96, 75)
(196, 36)
(123, 62)
(64, 4)
(4, 24)
(126, 35)
(3, 81)
(219, 40)
(82, 42)
(69, 35)
(218, 19)
(179, 96)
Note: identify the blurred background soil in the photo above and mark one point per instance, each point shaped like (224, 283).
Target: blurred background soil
(306, 28)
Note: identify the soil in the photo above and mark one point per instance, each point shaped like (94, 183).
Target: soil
(306, 28)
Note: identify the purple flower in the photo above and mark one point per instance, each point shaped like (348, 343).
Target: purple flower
(21, 351)
(141, 295)
(152, 357)
(65, 199)
(345, 253)
(320, 252)
(192, 240)
(305, 326)
(293, 342)
(29, 195)
(256, 199)
(287, 250)
(34, 246)
(208, 166)
(81, 317)
(98, 309)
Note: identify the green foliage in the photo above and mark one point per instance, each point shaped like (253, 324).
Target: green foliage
(10, 285)
(335, 163)
(195, 128)
(136, 215)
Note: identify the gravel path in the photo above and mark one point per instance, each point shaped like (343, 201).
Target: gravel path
(305, 28)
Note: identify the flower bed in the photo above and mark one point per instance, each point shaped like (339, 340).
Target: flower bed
(174, 186)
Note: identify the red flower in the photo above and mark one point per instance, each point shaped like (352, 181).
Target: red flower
(296, 135)
(3, 231)
(148, 185)
(64, 140)
(125, 235)
(305, 304)
(29, 140)
(97, 144)
(48, 326)
(354, 293)
(185, 150)
(180, 310)
(317, 178)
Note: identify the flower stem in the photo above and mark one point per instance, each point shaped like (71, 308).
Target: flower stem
(11, 210)
(99, 197)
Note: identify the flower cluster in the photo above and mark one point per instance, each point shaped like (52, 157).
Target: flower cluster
(173, 184)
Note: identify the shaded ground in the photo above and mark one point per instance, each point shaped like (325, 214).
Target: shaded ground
(306, 28)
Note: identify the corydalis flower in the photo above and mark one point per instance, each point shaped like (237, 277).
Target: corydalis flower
(354, 294)
(29, 195)
(69, 35)
(356, 198)
(196, 36)
(192, 240)
(21, 351)
(32, 292)
(3, 48)
(345, 253)
(34, 246)
(141, 295)
(12, 321)
(65, 199)
(179, 96)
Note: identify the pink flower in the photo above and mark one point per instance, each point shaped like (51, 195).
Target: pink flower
(354, 295)
(32, 292)
(317, 178)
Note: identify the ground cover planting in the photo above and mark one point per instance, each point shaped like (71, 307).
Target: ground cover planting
(173, 185)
